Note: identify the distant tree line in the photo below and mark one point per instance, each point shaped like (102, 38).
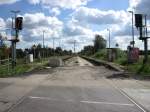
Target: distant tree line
(36, 50)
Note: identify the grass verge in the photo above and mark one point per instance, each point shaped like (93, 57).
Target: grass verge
(20, 69)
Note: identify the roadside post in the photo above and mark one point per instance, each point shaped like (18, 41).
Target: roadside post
(16, 27)
(132, 42)
(34, 53)
(139, 18)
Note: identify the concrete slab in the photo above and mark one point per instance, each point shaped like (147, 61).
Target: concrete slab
(139, 91)
(75, 99)
(4, 84)
(141, 96)
(55, 62)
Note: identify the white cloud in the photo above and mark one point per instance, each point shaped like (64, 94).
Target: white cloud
(2, 29)
(34, 1)
(124, 41)
(123, 36)
(134, 3)
(34, 24)
(119, 22)
(99, 17)
(37, 20)
(66, 4)
(8, 1)
(80, 24)
(140, 6)
(2, 23)
(55, 11)
(73, 29)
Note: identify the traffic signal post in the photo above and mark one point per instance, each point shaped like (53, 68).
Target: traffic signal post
(16, 27)
(144, 37)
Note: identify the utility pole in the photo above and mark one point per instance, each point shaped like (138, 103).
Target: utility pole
(15, 40)
(43, 43)
(133, 42)
(74, 43)
(54, 44)
(34, 47)
(146, 41)
(60, 42)
(109, 36)
(140, 26)
(43, 38)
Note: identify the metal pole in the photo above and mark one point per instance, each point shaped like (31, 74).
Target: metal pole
(133, 30)
(8, 64)
(54, 45)
(74, 47)
(43, 39)
(109, 36)
(133, 42)
(34, 53)
(12, 47)
(14, 41)
(145, 42)
(60, 42)
(132, 27)
(146, 51)
(43, 44)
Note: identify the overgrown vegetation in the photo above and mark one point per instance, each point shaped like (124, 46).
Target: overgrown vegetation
(137, 68)
(39, 54)
(101, 54)
(99, 51)
(121, 57)
(20, 69)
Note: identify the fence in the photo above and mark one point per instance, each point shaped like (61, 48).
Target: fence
(23, 65)
(5, 66)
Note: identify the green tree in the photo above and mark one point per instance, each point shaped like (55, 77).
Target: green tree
(99, 43)
(20, 53)
(88, 50)
(3, 52)
(58, 51)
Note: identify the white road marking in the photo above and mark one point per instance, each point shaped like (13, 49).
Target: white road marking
(88, 102)
(107, 103)
(47, 98)
(42, 98)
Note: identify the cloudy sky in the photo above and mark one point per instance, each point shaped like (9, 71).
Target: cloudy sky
(68, 20)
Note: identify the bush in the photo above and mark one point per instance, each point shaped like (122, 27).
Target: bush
(121, 54)
(101, 54)
(122, 57)
(121, 61)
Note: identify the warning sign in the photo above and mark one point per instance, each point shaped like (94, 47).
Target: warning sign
(133, 54)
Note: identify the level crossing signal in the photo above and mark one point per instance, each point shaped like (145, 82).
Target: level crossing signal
(19, 23)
